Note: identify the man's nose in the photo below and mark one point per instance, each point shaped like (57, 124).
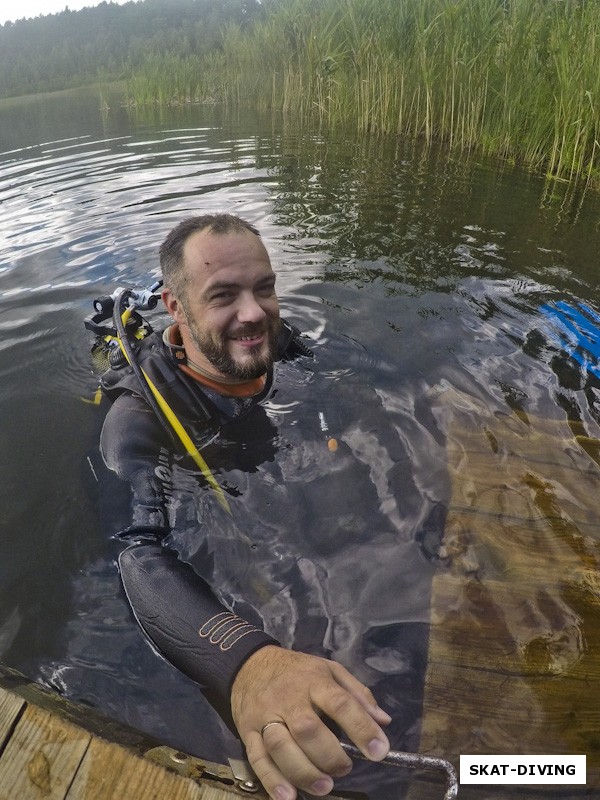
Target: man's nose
(250, 310)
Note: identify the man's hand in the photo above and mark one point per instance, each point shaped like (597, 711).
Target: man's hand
(293, 689)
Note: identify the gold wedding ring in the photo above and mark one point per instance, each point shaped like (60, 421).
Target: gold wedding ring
(268, 725)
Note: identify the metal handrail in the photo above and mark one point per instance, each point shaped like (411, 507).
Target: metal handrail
(398, 758)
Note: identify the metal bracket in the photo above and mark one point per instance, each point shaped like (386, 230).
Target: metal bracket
(246, 779)
(238, 777)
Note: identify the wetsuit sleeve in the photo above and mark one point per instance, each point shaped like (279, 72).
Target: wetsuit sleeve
(131, 443)
(175, 608)
(185, 621)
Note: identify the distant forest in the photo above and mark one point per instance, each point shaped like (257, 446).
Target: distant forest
(110, 41)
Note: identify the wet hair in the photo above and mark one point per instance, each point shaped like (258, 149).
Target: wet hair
(171, 250)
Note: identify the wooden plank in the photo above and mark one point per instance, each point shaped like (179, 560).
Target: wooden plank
(514, 656)
(47, 756)
(51, 748)
(10, 708)
(90, 719)
(41, 757)
(472, 636)
(109, 771)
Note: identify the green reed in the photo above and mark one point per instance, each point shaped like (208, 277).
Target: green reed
(515, 78)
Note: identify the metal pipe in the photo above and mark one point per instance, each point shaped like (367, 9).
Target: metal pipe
(415, 761)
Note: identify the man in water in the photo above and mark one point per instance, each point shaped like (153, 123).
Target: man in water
(215, 366)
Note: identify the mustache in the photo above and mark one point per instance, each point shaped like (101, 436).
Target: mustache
(252, 330)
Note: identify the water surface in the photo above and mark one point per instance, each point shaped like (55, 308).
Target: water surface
(418, 274)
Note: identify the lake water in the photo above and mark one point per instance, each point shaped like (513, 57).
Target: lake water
(432, 279)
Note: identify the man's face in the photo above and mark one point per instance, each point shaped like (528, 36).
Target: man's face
(229, 318)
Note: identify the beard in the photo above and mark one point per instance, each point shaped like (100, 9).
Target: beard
(255, 364)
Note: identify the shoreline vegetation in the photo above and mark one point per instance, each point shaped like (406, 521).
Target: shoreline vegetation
(517, 79)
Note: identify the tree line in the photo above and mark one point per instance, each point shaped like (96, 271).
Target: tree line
(108, 42)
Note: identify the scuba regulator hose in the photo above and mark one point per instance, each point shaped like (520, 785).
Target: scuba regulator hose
(167, 417)
(120, 317)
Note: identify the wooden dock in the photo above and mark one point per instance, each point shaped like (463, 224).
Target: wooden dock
(51, 749)
(514, 651)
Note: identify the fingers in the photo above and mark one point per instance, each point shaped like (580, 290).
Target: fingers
(304, 753)
(361, 693)
(265, 769)
(306, 756)
(309, 736)
(353, 708)
(277, 685)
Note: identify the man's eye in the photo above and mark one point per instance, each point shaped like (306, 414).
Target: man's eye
(266, 291)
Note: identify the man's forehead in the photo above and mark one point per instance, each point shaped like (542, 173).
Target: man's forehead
(211, 256)
(210, 244)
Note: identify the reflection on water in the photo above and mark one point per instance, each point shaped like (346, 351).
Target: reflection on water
(422, 280)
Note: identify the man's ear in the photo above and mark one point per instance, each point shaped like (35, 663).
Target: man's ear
(173, 306)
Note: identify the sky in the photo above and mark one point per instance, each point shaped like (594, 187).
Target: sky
(11, 10)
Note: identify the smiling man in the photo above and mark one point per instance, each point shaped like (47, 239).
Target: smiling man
(221, 292)
(215, 365)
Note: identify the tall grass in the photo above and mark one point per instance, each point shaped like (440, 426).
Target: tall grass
(516, 78)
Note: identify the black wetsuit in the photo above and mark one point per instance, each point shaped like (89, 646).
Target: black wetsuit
(319, 550)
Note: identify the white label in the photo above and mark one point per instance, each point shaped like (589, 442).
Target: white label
(522, 769)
